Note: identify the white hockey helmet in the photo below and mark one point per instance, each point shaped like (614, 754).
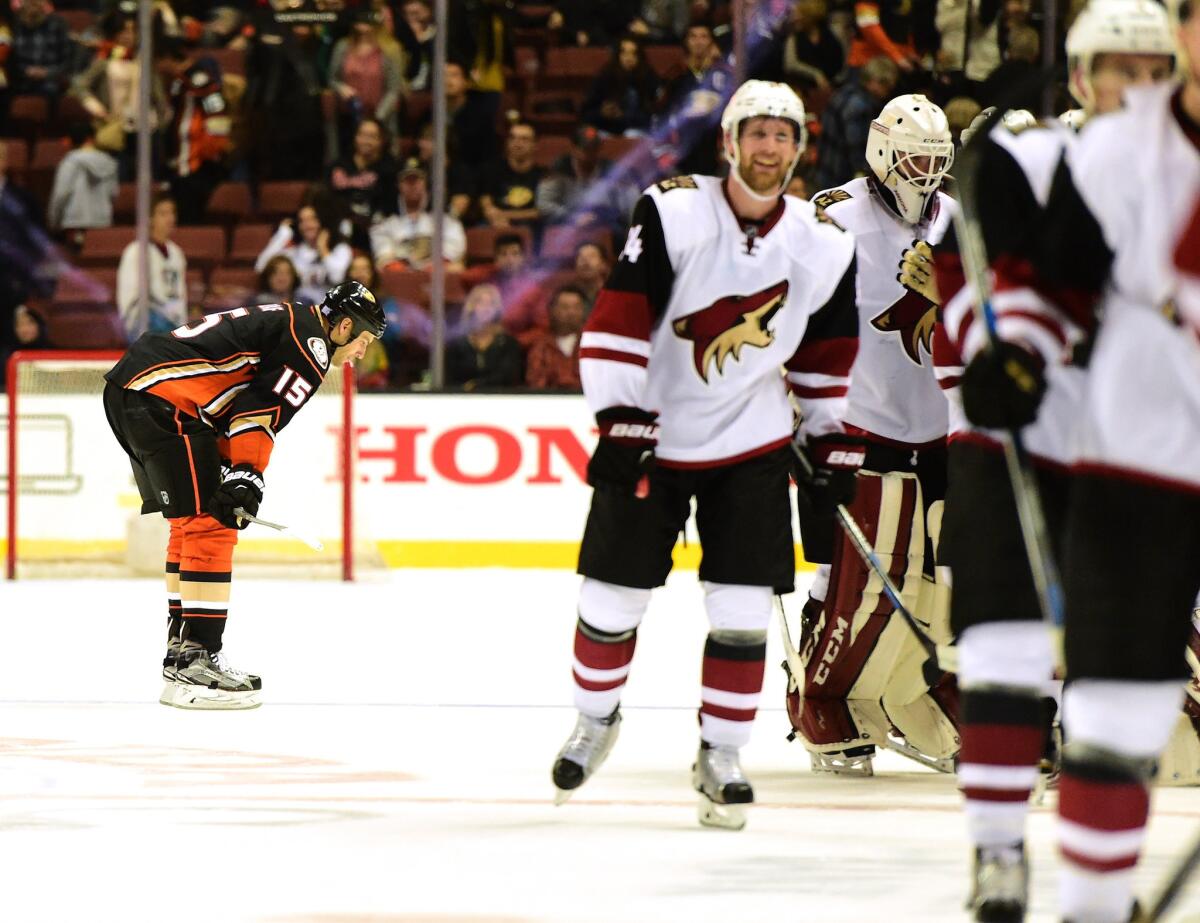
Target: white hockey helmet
(1114, 27)
(767, 99)
(909, 149)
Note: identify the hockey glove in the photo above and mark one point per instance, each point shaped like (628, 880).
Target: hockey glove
(1002, 388)
(834, 459)
(241, 486)
(625, 452)
(916, 272)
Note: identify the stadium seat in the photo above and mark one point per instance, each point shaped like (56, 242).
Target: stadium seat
(572, 68)
(406, 286)
(18, 154)
(125, 204)
(103, 246)
(204, 247)
(615, 147)
(549, 148)
(280, 199)
(554, 112)
(249, 240)
(78, 21)
(97, 286)
(230, 205)
(28, 115)
(416, 111)
(96, 326)
(665, 60)
(559, 242)
(230, 287)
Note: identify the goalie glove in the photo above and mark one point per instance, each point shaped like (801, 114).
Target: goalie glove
(241, 486)
(625, 452)
(1002, 388)
(834, 460)
(916, 272)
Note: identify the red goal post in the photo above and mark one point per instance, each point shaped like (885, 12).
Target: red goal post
(68, 485)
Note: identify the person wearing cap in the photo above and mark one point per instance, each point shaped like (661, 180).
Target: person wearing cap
(571, 193)
(405, 240)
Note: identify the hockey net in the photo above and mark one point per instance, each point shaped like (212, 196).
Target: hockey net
(73, 509)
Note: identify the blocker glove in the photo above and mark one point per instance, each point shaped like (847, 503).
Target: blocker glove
(834, 459)
(241, 486)
(1002, 388)
(625, 452)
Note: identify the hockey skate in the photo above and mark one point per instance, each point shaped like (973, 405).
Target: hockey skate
(584, 752)
(724, 790)
(1001, 890)
(905, 749)
(170, 667)
(855, 761)
(205, 681)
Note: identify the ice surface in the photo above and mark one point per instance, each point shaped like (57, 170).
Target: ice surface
(400, 772)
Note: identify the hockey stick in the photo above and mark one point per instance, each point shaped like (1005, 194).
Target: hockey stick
(973, 253)
(314, 543)
(932, 669)
(1172, 887)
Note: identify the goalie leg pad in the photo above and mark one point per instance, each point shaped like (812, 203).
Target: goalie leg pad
(856, 641)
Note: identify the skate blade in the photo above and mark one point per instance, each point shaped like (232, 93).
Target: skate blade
(944, 765)
(200, 698)
(859, 770)
(721, 816)
(562, 796)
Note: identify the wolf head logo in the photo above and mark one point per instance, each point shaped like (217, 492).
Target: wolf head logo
(913, 317)
(724, 327)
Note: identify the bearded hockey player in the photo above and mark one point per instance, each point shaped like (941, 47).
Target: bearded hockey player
(197, 410)
(862, 668)
(719, 285)
(1006, 661)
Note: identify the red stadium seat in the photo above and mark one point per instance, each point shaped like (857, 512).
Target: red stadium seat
(573, 67)
(406, 286)
(249, 240)
(230, 205)
(481, 242)
(549, 148)
(97, 326)
(665, 60)
(203, 247)
(104, 246)
(615, 147)
(281, 199)
(559, 242)
(97, 286)
(18, 154)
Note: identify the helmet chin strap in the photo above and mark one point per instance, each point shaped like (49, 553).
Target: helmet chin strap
(736, 175)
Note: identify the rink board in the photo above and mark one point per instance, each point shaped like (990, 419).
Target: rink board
(442, 480)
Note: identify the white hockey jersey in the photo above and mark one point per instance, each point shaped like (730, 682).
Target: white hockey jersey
(168, 293)
(1015, 179)
(893, 391)
(703, 313)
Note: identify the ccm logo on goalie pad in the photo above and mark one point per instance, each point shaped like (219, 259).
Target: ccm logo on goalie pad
(836, 638)
(841, 458)
(633, 431)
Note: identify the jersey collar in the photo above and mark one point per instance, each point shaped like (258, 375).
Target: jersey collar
(762, 225)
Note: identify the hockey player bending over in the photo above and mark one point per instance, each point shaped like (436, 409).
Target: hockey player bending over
(197, 410)
(861, 679)
(719, 285)
(1005, 653)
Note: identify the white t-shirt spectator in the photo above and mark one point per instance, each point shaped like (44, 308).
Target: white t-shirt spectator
(317, 274)
(408, 239)
(168, 289)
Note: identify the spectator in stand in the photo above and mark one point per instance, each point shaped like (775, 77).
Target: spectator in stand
(885, 28)
(108, 90)
(22, 243)
(798, 186)
(842, 154)
(694, 99)
(277, 281)
(484, 356)
(41, 51)
(519, 285)
(812, 55)
(472, 119)
(415, 30)
(405, 240)
(168, 306)
(624, 94)
(28, 333)
(585, 23)
(405, 342)
(510, 192)
(662, 22)
(5, 67)
(314, 249)
(552, 362)
(364, 182)
(85, 183)
(492, 22)
(366, 70)
(983, 51)
(1021, 61)
(283, 103)
(569, 192)
(460, 184)
(960, 113)
(591, 272)
(199, 139)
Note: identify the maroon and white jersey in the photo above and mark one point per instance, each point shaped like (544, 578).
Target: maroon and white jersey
(704, 311)
(1016, 171)
(893, 392)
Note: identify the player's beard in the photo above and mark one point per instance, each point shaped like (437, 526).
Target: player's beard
(762, 183)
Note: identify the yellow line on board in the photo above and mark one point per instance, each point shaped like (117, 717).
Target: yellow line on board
(564, 555)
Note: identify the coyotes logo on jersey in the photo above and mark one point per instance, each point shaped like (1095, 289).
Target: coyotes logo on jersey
(728, 324)
(913, 317)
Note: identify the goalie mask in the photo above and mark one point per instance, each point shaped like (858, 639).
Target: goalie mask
(355, 301)
(765, 99)
(909, 151)
(1114, 27)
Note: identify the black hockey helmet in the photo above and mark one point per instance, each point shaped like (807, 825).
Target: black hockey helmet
(355, 301)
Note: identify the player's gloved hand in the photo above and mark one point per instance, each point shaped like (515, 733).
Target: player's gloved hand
(241, 486)
(625, 452)
(834, 460)
(1002, 388)
(916, 272)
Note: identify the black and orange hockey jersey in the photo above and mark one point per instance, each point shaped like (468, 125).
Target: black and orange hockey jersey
(245, 372)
